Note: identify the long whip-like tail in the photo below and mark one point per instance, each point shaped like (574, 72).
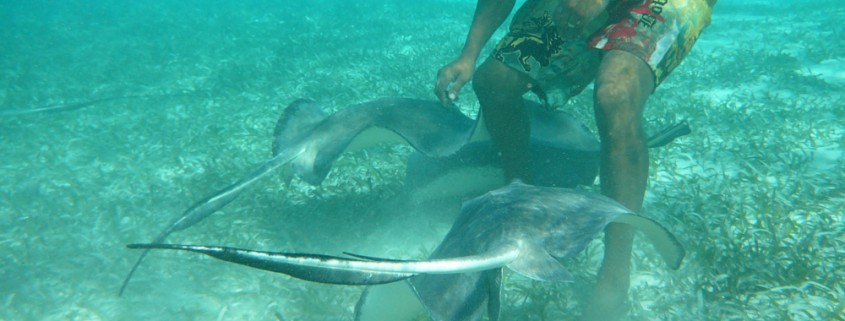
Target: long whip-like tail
(208, 206)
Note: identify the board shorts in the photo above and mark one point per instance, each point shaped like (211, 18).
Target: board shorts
(660, 32)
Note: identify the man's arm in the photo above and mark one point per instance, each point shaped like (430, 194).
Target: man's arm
(572, 16)
(489, 15)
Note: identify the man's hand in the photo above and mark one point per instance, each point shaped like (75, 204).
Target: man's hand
(451, 78)
(571, 16)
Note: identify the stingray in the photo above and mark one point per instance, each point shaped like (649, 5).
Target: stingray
(307, 141)
(526, 228)
(562, 153)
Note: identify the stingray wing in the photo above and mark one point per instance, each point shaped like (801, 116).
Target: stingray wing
(664, 241)
(429, 128)
(459, 297)
(297, 120)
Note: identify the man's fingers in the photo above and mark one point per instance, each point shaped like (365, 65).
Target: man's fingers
(443, 97)
(440, 87)
(456, 88)
(441, 90)
(450, 80)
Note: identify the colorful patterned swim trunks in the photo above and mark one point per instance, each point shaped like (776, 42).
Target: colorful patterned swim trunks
(660, 32)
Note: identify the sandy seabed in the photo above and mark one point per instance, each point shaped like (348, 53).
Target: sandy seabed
(185, 96)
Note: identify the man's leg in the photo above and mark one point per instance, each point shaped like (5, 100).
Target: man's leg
(499, 89)
(623, 85)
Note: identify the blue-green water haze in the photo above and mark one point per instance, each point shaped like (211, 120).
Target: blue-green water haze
(755, 193)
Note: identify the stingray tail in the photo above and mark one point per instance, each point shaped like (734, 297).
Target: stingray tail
(207, 206)
(309, 267)
(141, 257)
(668, 134)
(132, 272)
(344, 270)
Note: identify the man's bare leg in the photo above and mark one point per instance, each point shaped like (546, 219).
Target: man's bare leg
(623, 85)
(499, 90)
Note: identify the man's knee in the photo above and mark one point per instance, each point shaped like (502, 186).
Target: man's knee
(616, 107)
(622, 87)
(484, 79)
(613, 95)
(624, 82)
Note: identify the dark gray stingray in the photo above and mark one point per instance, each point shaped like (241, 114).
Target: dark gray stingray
(525, 228)
(563, 153)
(307, 141)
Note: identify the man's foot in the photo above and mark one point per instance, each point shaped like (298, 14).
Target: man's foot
(609, 302)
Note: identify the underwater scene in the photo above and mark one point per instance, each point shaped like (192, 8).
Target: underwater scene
(118, 118)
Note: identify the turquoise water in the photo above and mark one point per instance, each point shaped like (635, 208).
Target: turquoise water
(755, 193)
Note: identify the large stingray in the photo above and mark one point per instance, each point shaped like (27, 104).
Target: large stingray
(307, 141)
(525, 228)
(563, 153)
